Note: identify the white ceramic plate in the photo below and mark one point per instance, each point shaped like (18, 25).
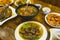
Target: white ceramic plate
(47, 21)
(54, 34)
(13, 15)
(44, 36)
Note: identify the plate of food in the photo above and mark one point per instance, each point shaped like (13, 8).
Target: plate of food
(53, 19)
(6, 2)
(31, 30)
(6, 14)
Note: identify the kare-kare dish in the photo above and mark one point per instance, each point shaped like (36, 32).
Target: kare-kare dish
(27, 11)
(31, 31)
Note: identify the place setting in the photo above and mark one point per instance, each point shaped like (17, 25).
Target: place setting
(28, 29)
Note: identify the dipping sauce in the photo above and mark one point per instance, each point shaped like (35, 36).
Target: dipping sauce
(27, 11)
(31, 31)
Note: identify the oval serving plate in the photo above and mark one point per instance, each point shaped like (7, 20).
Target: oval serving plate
(44, 36)
(12, 16)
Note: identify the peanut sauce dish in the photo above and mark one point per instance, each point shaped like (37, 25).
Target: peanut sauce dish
(53, 19)
(6, 14)
(31, 30)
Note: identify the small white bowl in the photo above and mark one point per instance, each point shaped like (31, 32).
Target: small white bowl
(13, 15)
(46, 10)
(47, 21)
(44, 36)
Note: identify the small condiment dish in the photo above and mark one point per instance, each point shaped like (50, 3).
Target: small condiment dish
(46, 10)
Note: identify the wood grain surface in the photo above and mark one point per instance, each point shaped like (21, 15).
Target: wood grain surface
(7, 30)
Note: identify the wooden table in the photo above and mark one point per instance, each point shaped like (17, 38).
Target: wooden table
(8, 28)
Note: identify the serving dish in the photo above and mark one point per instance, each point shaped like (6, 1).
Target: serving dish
(31, 16)
(5, 3)
(54, 13)
(43, 37)
(13, 15)
(54, 34)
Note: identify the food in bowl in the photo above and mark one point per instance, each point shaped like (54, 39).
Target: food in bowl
(27, 11)
(5, 13)
(30, 31)
(53, 19)
(5, 2)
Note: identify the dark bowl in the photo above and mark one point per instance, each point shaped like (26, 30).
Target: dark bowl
(27, 17)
